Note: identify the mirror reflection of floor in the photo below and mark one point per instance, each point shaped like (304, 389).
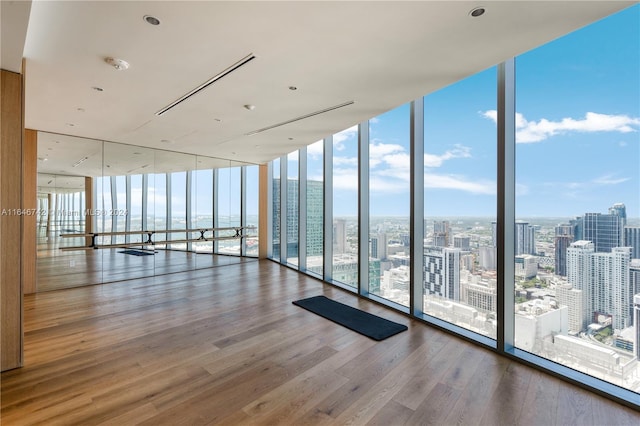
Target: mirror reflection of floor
(59, 269)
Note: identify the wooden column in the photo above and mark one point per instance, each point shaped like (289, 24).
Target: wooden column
(263, 210)
(30, 206)
(10, 220)
(88, 208)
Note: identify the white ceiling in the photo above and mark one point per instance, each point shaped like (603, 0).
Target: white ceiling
(377, 54)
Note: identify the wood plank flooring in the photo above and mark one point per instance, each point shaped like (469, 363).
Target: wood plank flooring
(226, 346)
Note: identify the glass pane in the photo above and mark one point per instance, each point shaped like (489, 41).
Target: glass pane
(389, 204)
(345, 206)
(292, 208)
(315, 208)
(459, 275)
(276, 208)
(253, 190)
(577, 192)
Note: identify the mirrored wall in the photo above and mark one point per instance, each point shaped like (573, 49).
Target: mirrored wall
(154, 206)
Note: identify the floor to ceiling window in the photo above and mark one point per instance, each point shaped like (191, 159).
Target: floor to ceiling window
(534, 254)
(389, 205)
(459, 276)
(577, 189)
(315, 208)
(292, 208)
(345, 207)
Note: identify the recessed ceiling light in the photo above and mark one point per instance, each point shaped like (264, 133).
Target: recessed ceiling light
(98, 89)
(293, 88)
(477, 11)
(290, 139)
(137, 153)
(250, 107)
(217, 119)
(165, 141)
(151, 20)
(119, 64)
(70, 124)
(80, 109)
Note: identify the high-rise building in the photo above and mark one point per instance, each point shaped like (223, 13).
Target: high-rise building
(632, 239)
(379, 245)
(571, 297)
(636, 325)
(634, 281)
(462, 242)
(604, 230)
(441, 231)
(564, 235)
(604, 281)
(620, 210)
(525, 238)
(487, 258)
(315, 214)
(442, 272)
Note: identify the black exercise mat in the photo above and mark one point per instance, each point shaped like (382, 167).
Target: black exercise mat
(362, 322)
(136, 252)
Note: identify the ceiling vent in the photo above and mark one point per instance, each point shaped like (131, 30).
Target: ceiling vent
(207, 83)
(293, 120)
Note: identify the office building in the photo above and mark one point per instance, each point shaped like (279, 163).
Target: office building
(564, 235)
(525, 238)
(632, 239)
(442, 272)
(462, 242)
(441, 233)
(571, 297)
(604, 230)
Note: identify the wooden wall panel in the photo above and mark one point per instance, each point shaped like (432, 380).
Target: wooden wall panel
(263, 210)
(30, 205)
(10, 220)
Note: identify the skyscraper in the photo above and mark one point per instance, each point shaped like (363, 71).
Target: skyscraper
(525, 238)
(634, 280)
(462, 242)
(441, 230)
(564, 235)
(442, 272)
(604, 281)
(605, 230)
(339, 236)
(632, 239)
(620, 210)
(636, 325)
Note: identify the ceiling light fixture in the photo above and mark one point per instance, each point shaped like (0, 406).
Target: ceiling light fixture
(250, 107)
(80, 161)
(293, 88)
(118, 64)
(293, 120)
(477, 11)
(151, 20)
(98, 89)
(207, 83)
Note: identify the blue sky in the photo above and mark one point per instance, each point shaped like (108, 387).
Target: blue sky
(578, 134)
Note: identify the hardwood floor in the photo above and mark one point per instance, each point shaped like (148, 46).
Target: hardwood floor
(226, 346)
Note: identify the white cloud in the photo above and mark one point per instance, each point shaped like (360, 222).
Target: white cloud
(609, 179)
(342, 136)
(537, 131)
(315, 150)
(460, 151)
(460, 183)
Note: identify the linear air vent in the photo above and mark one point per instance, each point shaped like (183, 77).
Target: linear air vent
(293, 120)
(207, 83)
